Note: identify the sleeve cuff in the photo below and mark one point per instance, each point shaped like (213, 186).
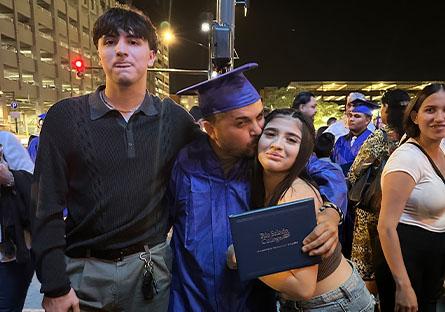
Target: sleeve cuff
(58, 292)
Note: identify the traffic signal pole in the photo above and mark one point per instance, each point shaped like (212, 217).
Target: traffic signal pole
(222, 36)
(222, 40)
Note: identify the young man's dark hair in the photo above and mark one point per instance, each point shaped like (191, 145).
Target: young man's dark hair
(320, 131)
(302, 98)
(331, 120)
(130, 20)
(324, 144)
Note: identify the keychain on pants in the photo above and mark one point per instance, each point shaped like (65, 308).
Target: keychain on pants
(149, 286)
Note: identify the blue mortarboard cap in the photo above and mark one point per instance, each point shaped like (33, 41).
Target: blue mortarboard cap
(225, 92)
(364, 106)
(42, 116)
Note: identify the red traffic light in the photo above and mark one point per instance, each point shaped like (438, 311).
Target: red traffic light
(78, 64)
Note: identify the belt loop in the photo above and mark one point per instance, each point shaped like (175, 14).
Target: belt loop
(346, 291)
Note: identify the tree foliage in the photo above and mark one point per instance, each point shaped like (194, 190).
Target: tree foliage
(283, 97)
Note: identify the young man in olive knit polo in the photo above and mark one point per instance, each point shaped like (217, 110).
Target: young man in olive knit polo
(106, 157)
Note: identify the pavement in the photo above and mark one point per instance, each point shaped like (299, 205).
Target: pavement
(33, 300)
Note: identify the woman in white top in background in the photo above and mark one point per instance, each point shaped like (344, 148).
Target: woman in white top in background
(412, 217)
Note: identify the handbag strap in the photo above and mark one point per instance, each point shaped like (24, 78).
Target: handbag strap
(431, 161)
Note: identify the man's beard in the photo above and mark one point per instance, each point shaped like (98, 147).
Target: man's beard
(251, 149)
(124, 82)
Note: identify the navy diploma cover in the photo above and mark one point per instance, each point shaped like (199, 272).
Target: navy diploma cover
(269, 240)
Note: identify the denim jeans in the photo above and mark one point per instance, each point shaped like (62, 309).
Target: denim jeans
(352, 296)
(14, 282)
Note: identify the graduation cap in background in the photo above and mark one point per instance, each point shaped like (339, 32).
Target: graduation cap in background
(364, 106)
(225, 92)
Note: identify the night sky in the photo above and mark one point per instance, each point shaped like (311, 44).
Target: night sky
(295, 40)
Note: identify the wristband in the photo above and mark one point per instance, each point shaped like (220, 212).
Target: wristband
(327, 205)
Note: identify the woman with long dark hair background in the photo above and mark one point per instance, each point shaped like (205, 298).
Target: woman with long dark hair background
(411, 223)
(377, 148)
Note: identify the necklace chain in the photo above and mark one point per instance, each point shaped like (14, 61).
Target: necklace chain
(111, 106)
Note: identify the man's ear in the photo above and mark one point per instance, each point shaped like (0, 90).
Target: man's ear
(369, 119)
(151, 58)
(209, 128)
(413, 116)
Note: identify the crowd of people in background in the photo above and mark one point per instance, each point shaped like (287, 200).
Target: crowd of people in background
(117, 169)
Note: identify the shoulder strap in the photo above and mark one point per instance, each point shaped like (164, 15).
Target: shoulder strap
(385, 135)
(431, 161)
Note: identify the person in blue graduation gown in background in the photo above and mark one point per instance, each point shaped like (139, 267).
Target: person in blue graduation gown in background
(327, 174)
(346, 148)
(33, 144)
(210, 181)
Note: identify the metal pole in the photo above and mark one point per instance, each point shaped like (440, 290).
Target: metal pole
(225, 15)
(209, 65)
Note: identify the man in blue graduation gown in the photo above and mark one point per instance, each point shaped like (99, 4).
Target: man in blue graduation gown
(210, 181)
(346, 148)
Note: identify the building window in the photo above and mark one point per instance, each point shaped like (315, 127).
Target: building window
(48, 83)
(43, 4)
(10, 73)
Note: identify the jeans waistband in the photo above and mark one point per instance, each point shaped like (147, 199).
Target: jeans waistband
(346, 290)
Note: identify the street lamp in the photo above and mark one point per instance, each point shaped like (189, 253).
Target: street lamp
(168, 36)
(205, 27)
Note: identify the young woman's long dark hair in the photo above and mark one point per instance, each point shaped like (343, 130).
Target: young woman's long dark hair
(298, 169)
(396, 101)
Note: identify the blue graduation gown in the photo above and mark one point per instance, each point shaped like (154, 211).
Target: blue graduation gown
(330, 179)
(32, 148)
(203, 200)
(344, 154)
